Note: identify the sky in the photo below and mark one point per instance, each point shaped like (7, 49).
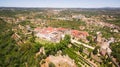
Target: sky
(60, 3)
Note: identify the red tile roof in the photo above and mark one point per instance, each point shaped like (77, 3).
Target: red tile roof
(61, 29)
(84, 33)
(77, 33)
(48, 30)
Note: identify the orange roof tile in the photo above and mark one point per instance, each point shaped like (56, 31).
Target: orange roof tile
(61, 29)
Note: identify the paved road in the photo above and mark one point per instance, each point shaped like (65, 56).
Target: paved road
(85, 45)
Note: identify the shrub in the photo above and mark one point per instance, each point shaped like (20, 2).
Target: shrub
(51, 64)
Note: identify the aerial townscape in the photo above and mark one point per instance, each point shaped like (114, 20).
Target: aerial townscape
(59, 37)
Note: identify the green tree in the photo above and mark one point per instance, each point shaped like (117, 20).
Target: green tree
(95, 51)
(51, 64)
(81, 49)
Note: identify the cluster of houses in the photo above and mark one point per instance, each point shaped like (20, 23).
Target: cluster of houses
(70, 18)
(104, 44)
(57, 34)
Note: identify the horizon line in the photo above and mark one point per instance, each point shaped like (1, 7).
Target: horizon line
(54, 7)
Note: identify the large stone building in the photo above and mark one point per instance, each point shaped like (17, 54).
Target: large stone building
(56, 34)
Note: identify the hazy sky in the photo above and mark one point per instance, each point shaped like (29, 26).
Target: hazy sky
(60, 3)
